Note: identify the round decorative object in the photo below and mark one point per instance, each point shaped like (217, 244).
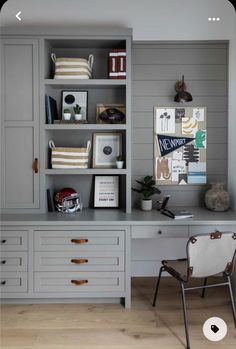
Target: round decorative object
(217, 199)
(69, 99)
(107, 150)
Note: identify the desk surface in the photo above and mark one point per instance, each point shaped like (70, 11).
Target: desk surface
(117, 217)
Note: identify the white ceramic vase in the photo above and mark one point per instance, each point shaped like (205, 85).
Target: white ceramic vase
(119, 164)
(66, 116)
(146, 205)
(78, 117)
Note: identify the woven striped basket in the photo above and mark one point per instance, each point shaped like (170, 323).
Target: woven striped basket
(73, 68)
(70, 158)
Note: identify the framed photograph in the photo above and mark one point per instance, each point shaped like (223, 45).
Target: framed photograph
(72, 98)
(106, 147)
(106, 192)
(111, 114)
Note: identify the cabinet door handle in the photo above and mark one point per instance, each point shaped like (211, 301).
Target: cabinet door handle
(159, 232)
(79, 282)
(36, 165)
(79, 261)
(3, 282)
(3, 241)
(79, 241)
(3, 261)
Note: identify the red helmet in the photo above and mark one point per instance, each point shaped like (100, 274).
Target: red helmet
(68, 201)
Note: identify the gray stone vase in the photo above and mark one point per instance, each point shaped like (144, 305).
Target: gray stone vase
(217, 199)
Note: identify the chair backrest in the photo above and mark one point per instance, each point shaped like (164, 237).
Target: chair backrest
(210, 254)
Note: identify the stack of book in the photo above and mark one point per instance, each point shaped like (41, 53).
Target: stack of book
(51, 109)
(117, 64)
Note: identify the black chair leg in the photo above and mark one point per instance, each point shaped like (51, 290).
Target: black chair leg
(204, 290)
(232, 300)
(185, 316)
(157, 286)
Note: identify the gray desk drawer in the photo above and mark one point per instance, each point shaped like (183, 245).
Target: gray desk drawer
(79, 240)
(13, 282)
(204, 229)
(155, 231)
(74, 261)
(13, 261)
(13, 240)
(90, 282)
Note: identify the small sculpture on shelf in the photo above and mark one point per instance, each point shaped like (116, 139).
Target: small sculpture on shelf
(78, 115)
(147, 189)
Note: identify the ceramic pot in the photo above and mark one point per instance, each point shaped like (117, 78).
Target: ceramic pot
(216, 198)
(146, 205)
(119, 164)
(78, 117)
(66, 116)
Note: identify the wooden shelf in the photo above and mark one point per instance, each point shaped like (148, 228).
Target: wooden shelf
(91, 83)
(83, 127)
(89, 171)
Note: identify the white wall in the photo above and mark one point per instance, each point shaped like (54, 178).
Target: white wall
(150, 20)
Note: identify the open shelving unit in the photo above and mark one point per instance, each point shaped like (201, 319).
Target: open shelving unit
(101, 90)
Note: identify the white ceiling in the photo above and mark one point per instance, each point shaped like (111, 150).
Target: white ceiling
(150, 19)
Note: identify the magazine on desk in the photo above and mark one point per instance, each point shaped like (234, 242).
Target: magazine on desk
(177, 214)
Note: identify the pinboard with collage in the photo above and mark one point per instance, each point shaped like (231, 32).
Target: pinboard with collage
(180, 143)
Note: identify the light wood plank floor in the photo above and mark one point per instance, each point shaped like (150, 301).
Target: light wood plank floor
(104, 326)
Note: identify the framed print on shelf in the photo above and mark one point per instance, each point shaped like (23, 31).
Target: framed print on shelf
(106, 191)
(72, 98)
(111, 114)
(106, 147)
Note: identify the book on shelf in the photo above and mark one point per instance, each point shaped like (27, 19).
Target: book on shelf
(177, 214)
(117, 64)
(113, 64)
(51, 109)
(121, 58)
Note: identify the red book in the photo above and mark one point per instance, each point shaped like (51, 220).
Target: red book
(121, 54)
(113, 64)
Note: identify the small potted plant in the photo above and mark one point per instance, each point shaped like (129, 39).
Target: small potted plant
(147, 189)
(119, 161)
(66, 114)
(77, 110)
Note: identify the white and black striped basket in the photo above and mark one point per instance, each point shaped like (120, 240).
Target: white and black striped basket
(73, 68)
(69, 158)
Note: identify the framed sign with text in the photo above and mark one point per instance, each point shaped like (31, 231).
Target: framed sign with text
(106, 192)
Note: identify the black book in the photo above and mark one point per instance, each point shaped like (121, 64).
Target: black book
(49, 201)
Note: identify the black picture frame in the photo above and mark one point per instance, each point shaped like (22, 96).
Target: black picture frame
(116, 206)
(74, 93)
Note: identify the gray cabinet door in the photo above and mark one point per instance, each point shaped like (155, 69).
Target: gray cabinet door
(20, 123)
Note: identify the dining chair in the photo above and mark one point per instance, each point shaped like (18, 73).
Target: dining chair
(207, 255)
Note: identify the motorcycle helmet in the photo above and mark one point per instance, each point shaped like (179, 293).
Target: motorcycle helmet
(68, 200)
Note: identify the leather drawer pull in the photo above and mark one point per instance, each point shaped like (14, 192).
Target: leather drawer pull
(36, 165)
(3, 241)
(79, 282)
(3, 262)
(79, 241)
(79, 261)
(3, 282)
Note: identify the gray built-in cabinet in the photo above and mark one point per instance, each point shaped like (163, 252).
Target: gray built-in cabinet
(20, 124)
(27, 76)
(92, 255)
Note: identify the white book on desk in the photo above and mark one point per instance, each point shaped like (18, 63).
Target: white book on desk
(177, 214)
